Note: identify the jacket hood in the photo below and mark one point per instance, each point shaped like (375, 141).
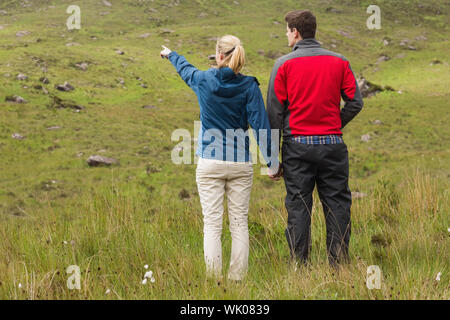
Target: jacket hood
(228, 83)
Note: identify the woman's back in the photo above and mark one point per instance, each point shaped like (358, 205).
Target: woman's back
(229, 102)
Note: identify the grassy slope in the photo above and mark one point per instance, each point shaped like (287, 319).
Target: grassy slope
(127, 216)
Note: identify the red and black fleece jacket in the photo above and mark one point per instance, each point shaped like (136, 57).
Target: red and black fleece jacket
(305, 92)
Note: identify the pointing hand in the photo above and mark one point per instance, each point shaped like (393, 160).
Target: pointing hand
(165, 53)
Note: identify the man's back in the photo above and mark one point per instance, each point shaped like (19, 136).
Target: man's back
(305, 90)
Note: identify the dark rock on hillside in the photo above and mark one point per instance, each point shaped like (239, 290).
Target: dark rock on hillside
(44, 80)
(435, 61)
(59, 103)
(15, 99)
(383, 58)
(333, 10)
(64, 87)
(148, 107)
(166, 31)
(96, 161)
(41, 88)
(369, 89)
(273, 54)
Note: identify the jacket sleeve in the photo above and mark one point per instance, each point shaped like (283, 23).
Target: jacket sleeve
(277, 97)
(351, 95)
(259, 121)
(190, 74)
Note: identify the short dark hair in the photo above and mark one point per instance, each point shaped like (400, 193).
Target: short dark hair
(302, 20)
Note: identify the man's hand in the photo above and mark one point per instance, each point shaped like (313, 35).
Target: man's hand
(165, 53)
(277, 176)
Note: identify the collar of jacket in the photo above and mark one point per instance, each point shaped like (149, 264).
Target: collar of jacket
(226, 73)
(307, 43)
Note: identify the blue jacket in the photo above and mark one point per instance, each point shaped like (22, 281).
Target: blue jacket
(228, 104)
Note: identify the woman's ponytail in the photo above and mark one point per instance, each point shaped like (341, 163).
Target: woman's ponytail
(234, 54)
(237, 59)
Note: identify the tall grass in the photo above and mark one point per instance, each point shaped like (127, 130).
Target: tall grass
(111, 235)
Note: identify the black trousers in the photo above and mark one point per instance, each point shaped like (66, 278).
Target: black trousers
(327, 166)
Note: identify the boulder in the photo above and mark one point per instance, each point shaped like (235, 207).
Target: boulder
(21, 77)
(59, 103)
(96, 160)
(44, 80)
(333, 10)
(383, 58)
(15, 99)
(64, 87)
(17, 136)
(365, 138)
(22, 33)
(82, 66)
(369, 89)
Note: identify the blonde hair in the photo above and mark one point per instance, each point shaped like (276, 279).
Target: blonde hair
(231, 48)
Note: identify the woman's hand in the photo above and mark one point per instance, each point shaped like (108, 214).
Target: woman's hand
(276, 176)
(165, 53)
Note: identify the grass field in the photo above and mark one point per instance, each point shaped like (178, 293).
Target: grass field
(56, 211)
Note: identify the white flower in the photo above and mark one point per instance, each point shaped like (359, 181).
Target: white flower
(20, 285)
(65, 242)
(438, 277)
(448, 229)
(108, 291)
(146, 267)
(148, 275)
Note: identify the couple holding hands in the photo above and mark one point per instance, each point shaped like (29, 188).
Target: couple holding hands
(303, 104)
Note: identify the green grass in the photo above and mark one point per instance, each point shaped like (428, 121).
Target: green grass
(116, 220)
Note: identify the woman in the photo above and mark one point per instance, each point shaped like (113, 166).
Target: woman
(229, 102)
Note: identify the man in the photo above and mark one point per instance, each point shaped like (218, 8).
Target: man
(303, 101)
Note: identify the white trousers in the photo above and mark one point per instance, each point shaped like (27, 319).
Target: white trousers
(214, 179)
